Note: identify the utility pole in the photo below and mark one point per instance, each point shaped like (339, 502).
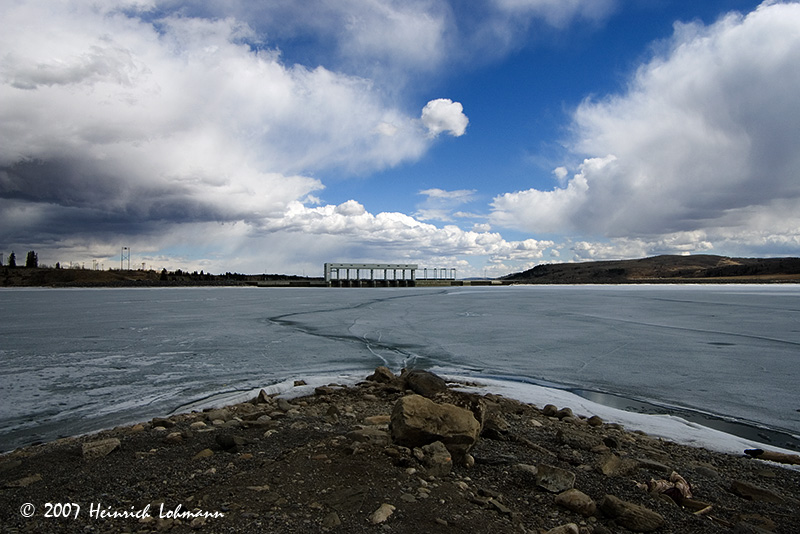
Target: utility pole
(125, 254)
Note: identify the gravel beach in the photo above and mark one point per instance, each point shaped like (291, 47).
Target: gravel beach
(405, 454)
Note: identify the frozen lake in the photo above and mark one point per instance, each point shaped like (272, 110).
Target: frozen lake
(75, 361)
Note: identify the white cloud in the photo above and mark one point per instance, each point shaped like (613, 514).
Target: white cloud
(703, 141)
(558, 12)
(180, 121)
(444, 115)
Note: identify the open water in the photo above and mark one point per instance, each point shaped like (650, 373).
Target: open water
(79, 360)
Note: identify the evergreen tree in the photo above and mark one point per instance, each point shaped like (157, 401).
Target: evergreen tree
(32, 259)
(12, 260)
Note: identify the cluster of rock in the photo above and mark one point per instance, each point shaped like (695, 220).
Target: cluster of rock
(404, 453)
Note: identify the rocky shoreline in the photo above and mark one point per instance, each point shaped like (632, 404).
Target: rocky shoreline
(404, 454)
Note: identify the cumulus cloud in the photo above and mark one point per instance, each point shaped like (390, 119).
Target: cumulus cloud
(444, 115)
(351, 223)
(115, 123)
(702, 142)
(439, 204)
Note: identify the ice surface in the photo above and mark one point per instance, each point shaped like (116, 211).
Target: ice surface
(80, 360)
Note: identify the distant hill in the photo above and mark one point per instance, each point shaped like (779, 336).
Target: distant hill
(674, 269)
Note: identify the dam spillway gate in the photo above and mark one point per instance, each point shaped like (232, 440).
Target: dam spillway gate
(382, 275)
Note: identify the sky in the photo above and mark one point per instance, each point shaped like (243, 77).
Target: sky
(487, 136)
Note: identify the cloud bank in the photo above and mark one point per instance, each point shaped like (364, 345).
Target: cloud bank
(700, 151)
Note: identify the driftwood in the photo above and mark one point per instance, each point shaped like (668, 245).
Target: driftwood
(779, 457)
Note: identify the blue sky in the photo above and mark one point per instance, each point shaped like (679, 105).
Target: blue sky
(485, 135)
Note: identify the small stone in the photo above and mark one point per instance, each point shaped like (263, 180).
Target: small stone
(569, 528)
(437, 459)
(529, 469)
(218, 415)
(595, 421)
(631, 516)
(554, 479)
(564, 412)
(25, 482)
(752, 492)
(205, 453)
(284, 405)
(263, 398)
(298, 383)
(371, 435)
(137, 428)
(549, 410)
(378, 420)
(382, 513)
(198, 425)
(174, 437)
(161, 421)
(382, 375)
(577, 501)
(407, 497)
(331, 520)
(229, 442)
(93, 450)
(500, 507)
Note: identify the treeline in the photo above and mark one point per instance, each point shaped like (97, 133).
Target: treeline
(31, 260)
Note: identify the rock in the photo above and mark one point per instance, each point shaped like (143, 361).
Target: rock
(378, 420)
(613, 465)
(549, 410)
(525, 468)
(564, 412)
(218, 415)
(371, 435)
(25, 482)
(437, 459)
(331, 520)
(752, 492)
(382, 375)
(298, 383)
(631, 516)
(161, 421)
(554, 479)
(324, 390)
(93, 450)
(500, 507)
(382, 513)
(174, 437)
(595, 421)
(230, 443)
(578, 439)
(569, 528)
(577, 501)
(495, 427)
(205, 453)
(424, 383)
(263, 398)
(417, 421)
(284, 405)
(198, 425)
(652, 465)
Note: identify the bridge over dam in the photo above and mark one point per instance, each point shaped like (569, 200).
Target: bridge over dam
(394, 275)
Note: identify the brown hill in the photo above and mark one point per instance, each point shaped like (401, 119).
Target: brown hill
(675, 269)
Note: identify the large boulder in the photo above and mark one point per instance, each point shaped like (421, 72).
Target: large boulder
(417, 421)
